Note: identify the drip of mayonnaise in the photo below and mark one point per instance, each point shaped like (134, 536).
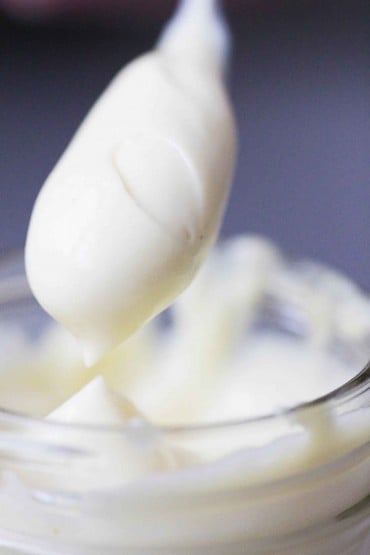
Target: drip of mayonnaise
(132, 208)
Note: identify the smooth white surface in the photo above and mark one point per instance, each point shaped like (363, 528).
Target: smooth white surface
(128, 214)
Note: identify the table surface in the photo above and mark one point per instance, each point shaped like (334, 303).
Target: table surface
(300, 82)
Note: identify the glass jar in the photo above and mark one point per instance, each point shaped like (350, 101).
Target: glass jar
(304, 492)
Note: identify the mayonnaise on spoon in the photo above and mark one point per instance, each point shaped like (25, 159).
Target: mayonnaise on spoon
(133, 206)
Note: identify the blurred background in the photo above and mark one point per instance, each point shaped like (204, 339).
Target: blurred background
(300, 83)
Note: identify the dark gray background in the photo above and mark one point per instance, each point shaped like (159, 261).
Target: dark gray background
(300, 82)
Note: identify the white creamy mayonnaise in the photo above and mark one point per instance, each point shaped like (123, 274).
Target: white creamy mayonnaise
(131, 209)
(252, 335)
(119, 230)
(137, 453)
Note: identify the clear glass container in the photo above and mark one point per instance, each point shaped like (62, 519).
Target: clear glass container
(306, 492)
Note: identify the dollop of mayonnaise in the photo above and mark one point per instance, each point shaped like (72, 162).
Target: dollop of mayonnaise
(131, 209)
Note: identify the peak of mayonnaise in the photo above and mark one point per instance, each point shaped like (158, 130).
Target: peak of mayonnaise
(114, 443)
(95, 404)
(131, 209)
